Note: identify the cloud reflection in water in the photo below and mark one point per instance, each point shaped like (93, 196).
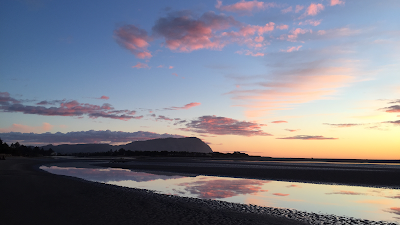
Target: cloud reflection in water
(222, 188)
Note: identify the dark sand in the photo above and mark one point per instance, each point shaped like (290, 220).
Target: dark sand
(32, 196)
(361, 174)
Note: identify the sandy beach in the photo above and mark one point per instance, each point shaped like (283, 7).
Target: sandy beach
(32, 196)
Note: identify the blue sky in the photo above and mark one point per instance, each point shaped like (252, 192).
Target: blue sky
(220, 70)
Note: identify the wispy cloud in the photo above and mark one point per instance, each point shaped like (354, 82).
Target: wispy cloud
(280, 194)
(291, 130)
(279, 121)
(291, 49)
(307, 137)
(140, 65)
(103, 97)
(345, 193)
(187, 106)
(245, 7)
(341, 125)
(225, 126)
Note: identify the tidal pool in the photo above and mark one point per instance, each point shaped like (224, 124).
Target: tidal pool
(351, 201)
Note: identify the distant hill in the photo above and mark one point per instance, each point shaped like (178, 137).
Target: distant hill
(189, 144)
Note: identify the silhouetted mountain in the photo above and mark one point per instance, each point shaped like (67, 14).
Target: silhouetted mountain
(189, 144)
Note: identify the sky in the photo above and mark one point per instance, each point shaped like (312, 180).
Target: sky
(312, 79)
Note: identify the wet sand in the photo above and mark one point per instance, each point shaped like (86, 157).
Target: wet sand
(32, 196)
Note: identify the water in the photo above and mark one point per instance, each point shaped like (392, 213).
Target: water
(351, 201)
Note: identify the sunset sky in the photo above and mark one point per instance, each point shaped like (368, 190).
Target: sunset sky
(288, 78)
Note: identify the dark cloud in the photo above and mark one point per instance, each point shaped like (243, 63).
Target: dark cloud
(5, 99)
(395, 101)
(91, 136)
(224, 126)
(392, 109)
(66, 108)
(343, 124)
(308, 137)
(396, 122)
(164, 118)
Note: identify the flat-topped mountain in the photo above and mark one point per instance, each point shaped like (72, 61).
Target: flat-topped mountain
(189, 144)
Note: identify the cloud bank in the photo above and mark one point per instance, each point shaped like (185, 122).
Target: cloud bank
(66, 108)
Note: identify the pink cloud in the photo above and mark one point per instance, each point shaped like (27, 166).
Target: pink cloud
(311, 22)
(314, 9)
(175, 74)
(244, 6)
(282, 27)
(140, 65)
(69, 108)
(27, 129)
(307, 137)
(225, 126)
(280, 194)
(104, 97)
(337, 2)
(279, 121)
(160, 66)
(294, 33)
(291, 49)
(292, 130)
(134, 39)
(170, 67)
(288, 9)
(299, 8)
(183, 33)
(187, 106)
(293, 185)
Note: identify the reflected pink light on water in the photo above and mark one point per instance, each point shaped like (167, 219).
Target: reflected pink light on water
(222, 188)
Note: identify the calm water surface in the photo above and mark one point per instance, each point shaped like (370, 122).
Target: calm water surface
(359, 202)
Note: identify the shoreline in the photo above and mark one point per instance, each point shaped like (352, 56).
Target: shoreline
(47, 199)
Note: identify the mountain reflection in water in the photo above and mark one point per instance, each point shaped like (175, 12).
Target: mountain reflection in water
(352, 201)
